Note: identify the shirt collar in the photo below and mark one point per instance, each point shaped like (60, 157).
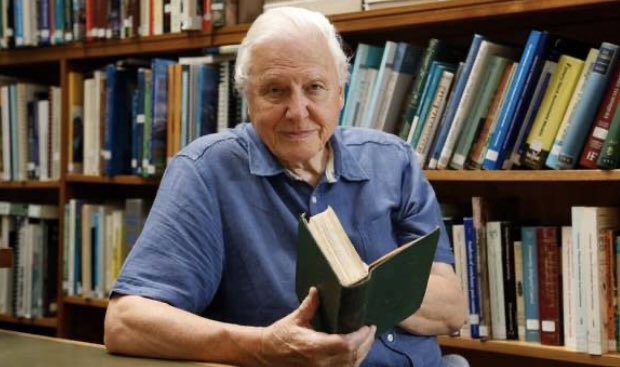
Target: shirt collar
(342, 163)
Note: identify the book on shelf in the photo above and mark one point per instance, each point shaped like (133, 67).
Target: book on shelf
(552, 109)
(600, 126)
(585, 110)
(353, 293)
(558, 142)
(610, 152)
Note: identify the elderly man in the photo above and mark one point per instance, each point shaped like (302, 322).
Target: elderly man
(212, 276)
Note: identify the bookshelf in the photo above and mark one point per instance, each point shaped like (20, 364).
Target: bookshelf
(545, 196)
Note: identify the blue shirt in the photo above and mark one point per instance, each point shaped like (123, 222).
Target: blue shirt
(220, 239)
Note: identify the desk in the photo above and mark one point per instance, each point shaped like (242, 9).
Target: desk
(25, 350)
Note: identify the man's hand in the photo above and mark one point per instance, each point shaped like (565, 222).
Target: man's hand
(291, 341)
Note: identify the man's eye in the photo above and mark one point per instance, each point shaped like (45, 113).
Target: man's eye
(275, 90)
(316, 87)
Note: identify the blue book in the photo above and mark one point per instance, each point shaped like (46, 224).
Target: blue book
(139, 122)
(43, 23)
(378, 88)
(585, 111)
(533, 47)
(459, 86)
(358, 73)
(159, 108)
(135, 101)
(18, 22)
(530, 284)
(59, 22)
(472, 277)
(117, 135)
(209, 98)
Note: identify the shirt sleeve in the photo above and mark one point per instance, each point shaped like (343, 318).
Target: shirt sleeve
(419, 210)
(179, 256)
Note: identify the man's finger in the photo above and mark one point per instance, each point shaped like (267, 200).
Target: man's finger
(365, 347)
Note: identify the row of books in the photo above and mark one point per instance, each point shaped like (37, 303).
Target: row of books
(30, 116)
(51, 22)
(553, 106)
(130, 117)
(28, 289)
(329, 7)
(555, 285)
(97, 239)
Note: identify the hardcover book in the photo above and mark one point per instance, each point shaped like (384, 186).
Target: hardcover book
(353, 293)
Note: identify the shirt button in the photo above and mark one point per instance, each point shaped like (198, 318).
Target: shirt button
(390, 337)
(313, 200)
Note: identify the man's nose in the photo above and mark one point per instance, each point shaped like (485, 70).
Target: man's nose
(297, 108)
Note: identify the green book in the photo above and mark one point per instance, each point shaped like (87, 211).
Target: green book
(352, 293)
(610, 152)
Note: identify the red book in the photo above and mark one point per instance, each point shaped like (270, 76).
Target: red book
(600, 127)
(549, 285)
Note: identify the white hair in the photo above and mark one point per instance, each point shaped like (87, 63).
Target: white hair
(286, 22)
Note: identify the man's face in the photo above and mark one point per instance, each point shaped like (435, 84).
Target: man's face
(294, 97)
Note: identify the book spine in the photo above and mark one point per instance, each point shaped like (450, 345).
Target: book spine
(413, 98)
(479, 145)
(552, 158)
(455, 101)
(508, 268)
(586, 109)
(496, 281)
(610, 152)
(552, 111)
(510, 102)
(472, 277)
(549, 291)
(600, 128)
(518, 256)
(530, 284)
(568, 288)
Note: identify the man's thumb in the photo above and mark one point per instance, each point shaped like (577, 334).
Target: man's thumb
(308, 307)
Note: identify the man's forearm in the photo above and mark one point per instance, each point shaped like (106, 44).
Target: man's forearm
(443, 310)
(139, 326)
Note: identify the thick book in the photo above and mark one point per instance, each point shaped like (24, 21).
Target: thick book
(352, 293)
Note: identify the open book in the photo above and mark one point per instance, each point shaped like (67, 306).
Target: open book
(352, 293)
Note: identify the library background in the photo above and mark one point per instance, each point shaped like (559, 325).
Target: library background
(510, 105)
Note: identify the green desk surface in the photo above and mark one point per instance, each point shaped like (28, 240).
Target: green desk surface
(24, 350)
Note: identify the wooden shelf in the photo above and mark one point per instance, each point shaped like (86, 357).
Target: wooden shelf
(48, 322)
(86, 301)
(532, 350)
(6, 257)
(433, 12)
(522, 176)
(29, 185)
(114, 180)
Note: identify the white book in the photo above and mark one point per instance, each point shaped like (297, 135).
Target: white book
(496, 280)
(434, 116)
(223, 97)
(578, 269)
(145, 18)
(43, 115)
(55, 132)
(379, 87)
(593, 223)
(191, 20)
(568, 288)
(6, 136)
(460, 265)
(90, 124)
(326, 7)
(158, 17)
(486, 50)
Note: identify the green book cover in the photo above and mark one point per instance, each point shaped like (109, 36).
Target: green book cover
(610, 152)
(380, 296)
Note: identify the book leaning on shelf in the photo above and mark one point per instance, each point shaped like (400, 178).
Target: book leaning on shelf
(352, 293)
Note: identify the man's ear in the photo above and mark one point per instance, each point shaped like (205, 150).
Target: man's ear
(341, 96)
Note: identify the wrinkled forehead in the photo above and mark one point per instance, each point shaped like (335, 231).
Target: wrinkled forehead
(291, 53)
